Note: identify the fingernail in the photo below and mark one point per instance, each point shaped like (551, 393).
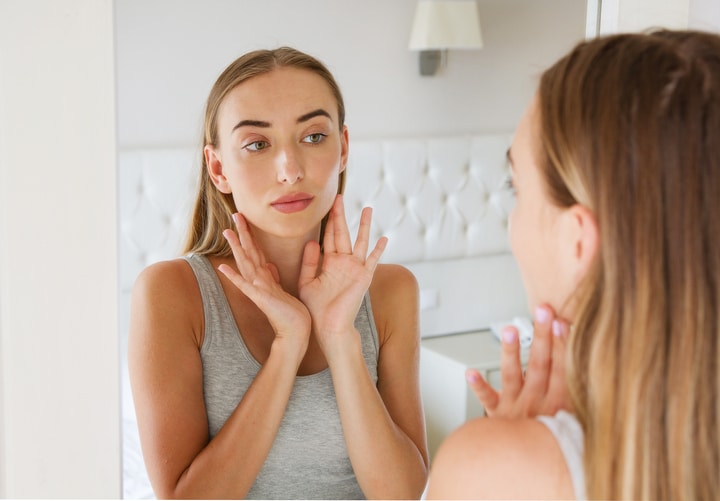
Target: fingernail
(541, 314)
(557, 328)
(508, 335)
(472, 377)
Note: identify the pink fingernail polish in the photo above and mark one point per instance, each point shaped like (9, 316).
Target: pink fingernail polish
(508, 335)
(557, 328)
(541, 314)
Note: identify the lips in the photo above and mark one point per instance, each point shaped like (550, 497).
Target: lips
(294, 202)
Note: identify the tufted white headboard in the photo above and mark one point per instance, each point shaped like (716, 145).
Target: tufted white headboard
(439, 201)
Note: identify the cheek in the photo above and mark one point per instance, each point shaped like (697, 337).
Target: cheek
(518, 242)
(326, 200)
(328, 177)
(518, 235)
(247, 190)
(526, 244)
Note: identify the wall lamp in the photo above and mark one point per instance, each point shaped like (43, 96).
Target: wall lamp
(440, 25)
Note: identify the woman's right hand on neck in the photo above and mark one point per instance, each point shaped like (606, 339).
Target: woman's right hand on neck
(541, 389)
(260, 282)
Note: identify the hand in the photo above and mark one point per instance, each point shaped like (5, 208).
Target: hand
(260, 282)
(542, 389)
(333, 293)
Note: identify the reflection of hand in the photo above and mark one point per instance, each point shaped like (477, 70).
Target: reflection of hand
(541, 390)
(259, 281)
(334, 293)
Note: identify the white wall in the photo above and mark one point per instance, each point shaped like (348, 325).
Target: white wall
(705, 15)
(59, 432)
(639, 15)
(169, 53)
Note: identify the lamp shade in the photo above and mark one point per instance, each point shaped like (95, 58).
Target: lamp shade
(446, 24)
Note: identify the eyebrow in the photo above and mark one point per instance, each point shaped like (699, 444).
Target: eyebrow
(315, 113)
(261, 123)
(251, 123)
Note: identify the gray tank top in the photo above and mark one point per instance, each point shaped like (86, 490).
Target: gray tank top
(309, 458)
(569, 434)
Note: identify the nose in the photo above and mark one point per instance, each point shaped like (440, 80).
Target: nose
(289, 169)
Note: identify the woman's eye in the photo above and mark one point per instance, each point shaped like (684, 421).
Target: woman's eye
(314, 138)
(256, 145)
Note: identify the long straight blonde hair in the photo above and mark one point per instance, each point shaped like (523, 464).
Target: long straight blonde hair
(213, 209)
(630, 128)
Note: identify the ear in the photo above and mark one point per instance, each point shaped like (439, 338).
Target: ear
(583, 234)
(215, 169)
(344, 148)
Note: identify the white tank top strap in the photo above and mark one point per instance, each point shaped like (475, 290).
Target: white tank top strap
(569, 434)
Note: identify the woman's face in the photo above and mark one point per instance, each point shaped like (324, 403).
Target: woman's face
(280, 150)
(536, 229)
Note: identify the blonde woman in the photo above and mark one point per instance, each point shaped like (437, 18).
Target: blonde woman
(263, 366)
(616, 166)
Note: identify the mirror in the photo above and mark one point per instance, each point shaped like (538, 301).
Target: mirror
(169, 53)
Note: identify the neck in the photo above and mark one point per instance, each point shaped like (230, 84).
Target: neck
(286, 254)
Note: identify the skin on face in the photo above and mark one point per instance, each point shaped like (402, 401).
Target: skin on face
(536, 225)
(280, 151)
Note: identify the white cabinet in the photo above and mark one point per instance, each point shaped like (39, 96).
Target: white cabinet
(447, 398)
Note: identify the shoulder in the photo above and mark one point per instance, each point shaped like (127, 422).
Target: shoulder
(394, 294)
(166, 295)
(485, 457)
(169, 282)
(394, 282)
(392, 272)
(165, 274)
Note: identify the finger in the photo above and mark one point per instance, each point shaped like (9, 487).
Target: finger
(256, 294)
(558, 397)
(311, 258)
(510, 367)
(374, 257)
(236, 278)
(247, 241)
(273, 271)
(538, 368)
(486, 394)
(341, 233)
(362, 243)
(329, 238)
(245, 266)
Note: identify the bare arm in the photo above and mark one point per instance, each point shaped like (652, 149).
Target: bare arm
(166, 376)
(384, 425)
